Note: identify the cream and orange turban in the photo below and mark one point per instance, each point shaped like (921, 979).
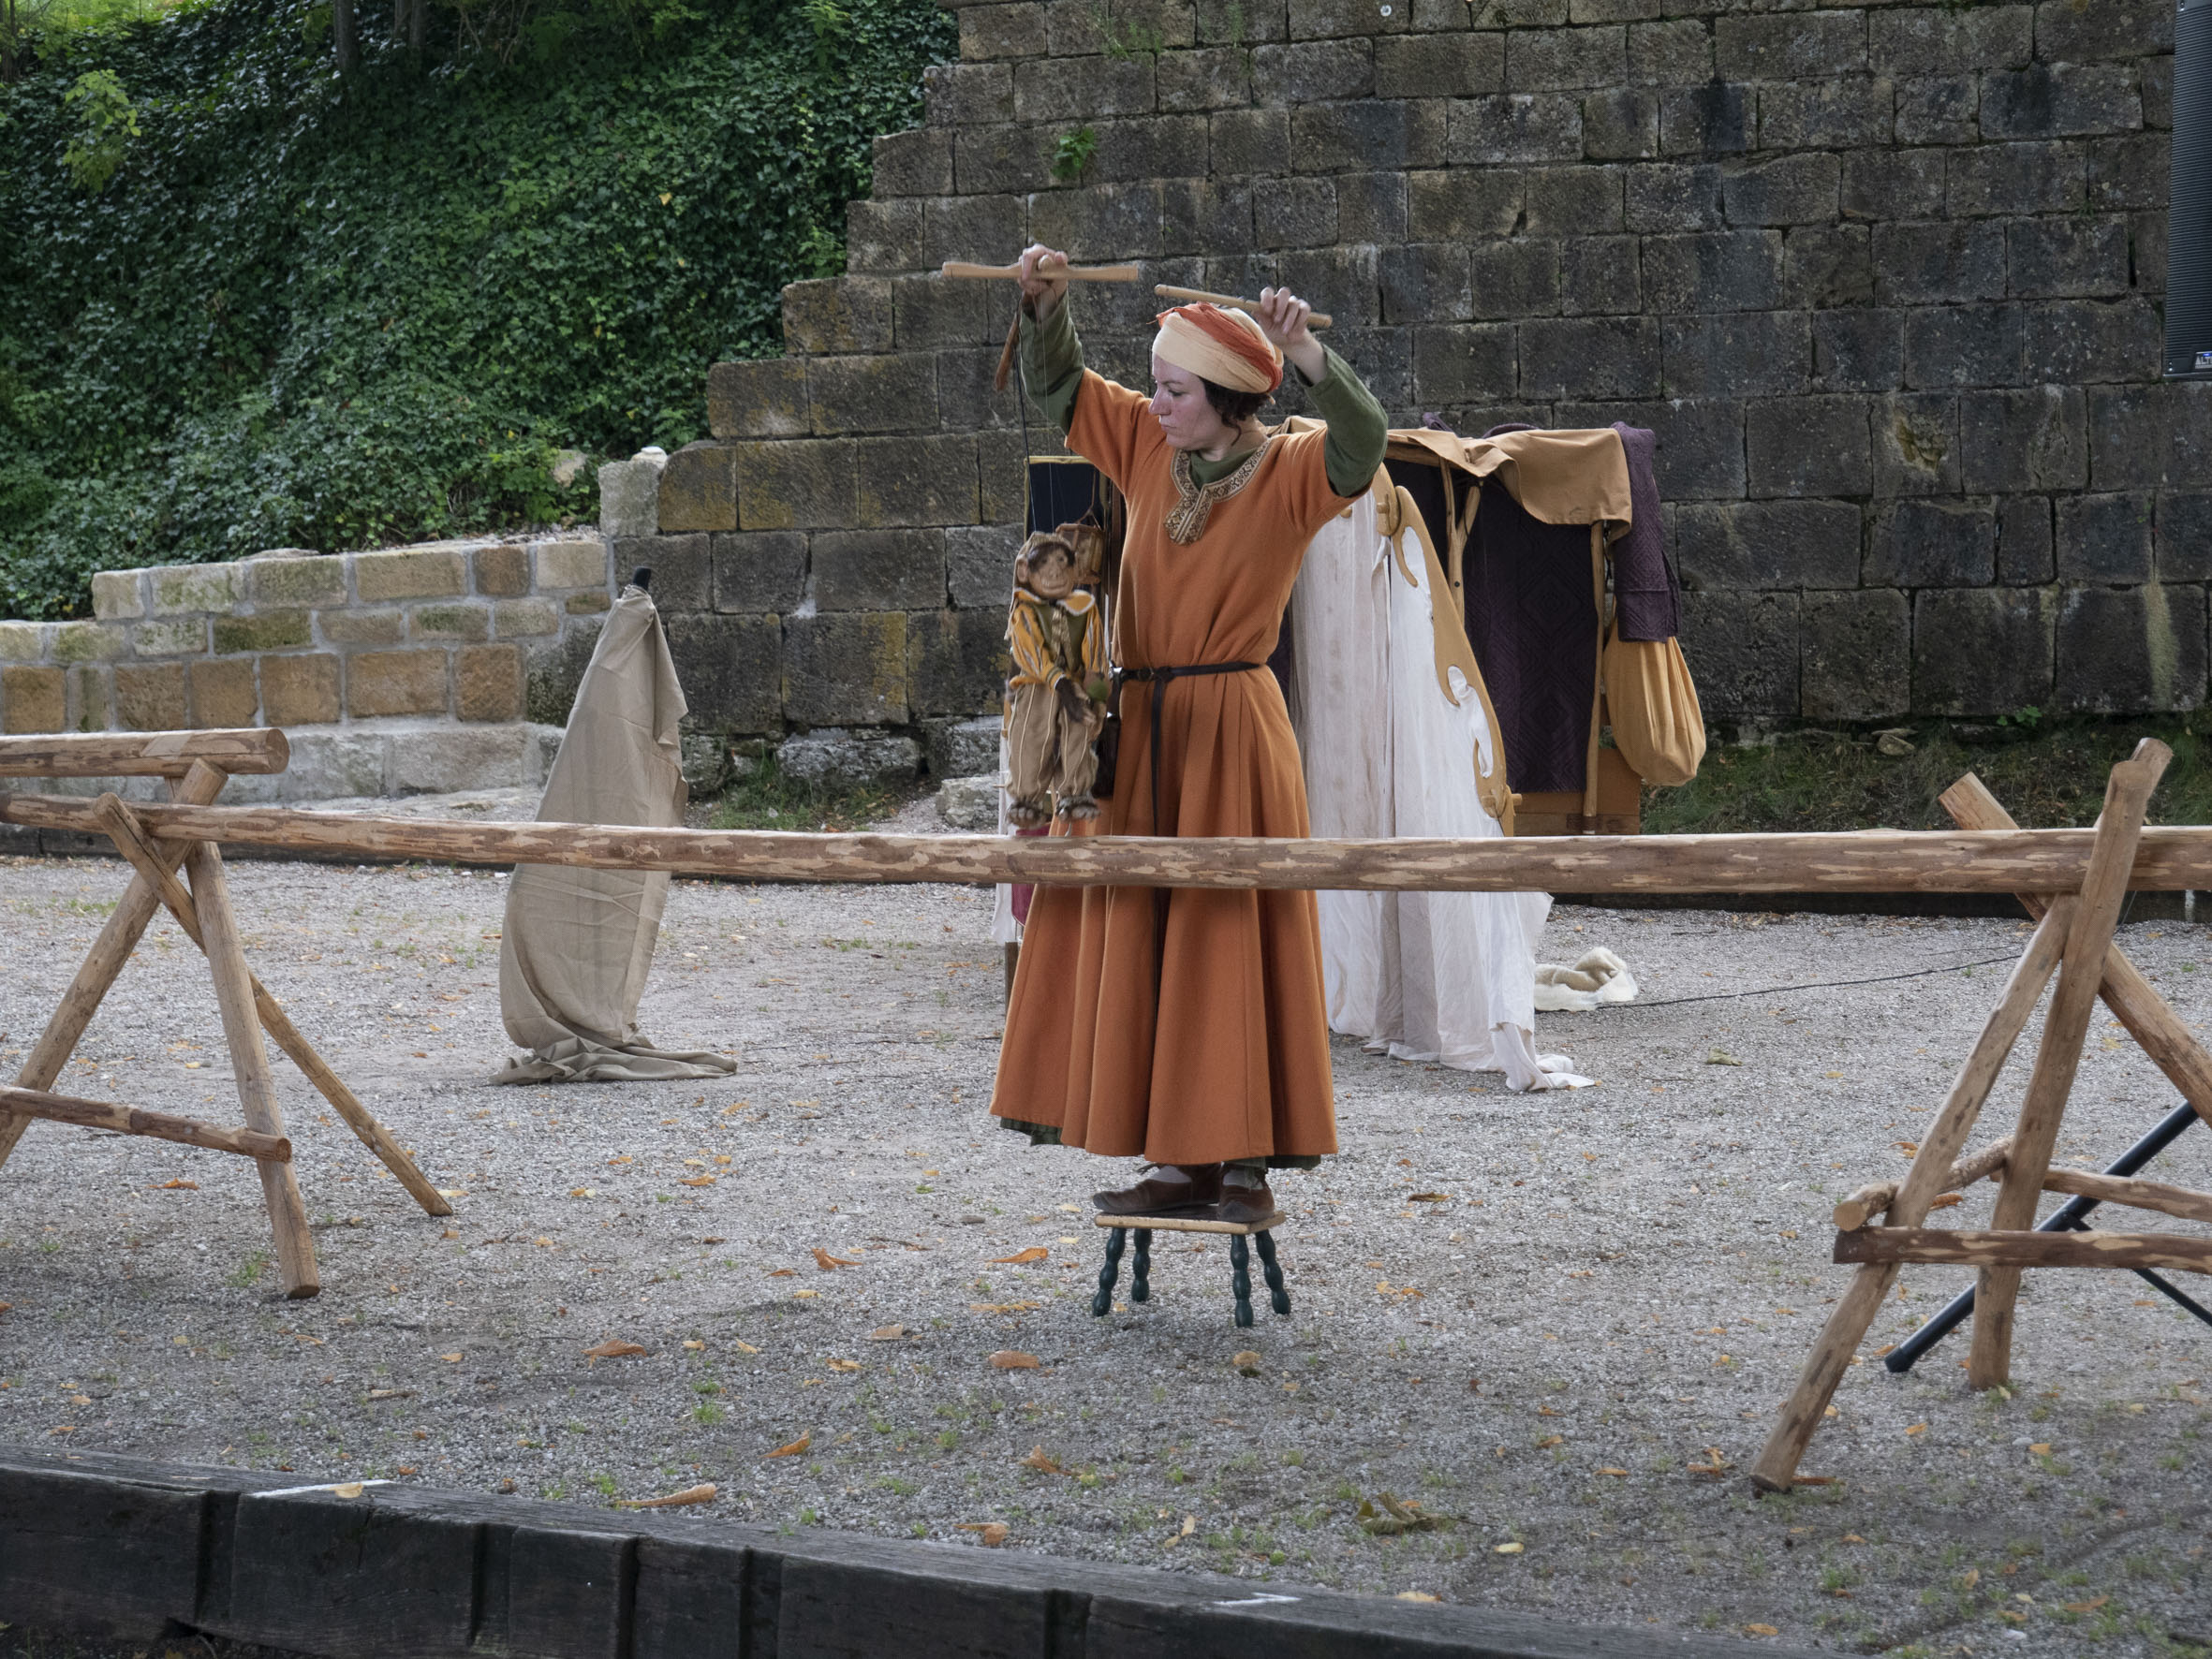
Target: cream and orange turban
(1224, 346)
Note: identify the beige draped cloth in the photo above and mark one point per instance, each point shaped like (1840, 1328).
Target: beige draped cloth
(578, 944)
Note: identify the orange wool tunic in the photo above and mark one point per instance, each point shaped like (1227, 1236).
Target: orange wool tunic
(1232, 1058)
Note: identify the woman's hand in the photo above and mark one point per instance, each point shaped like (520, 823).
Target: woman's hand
(1043, 293)
(1281, 316)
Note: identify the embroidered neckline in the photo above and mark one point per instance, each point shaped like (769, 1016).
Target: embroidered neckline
(1194, 502)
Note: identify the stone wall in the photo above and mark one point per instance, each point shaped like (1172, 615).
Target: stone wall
(1884, 279)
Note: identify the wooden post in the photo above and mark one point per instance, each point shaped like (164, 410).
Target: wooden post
(257, 1090)
(2081, 972)
(1839, 1339)
(118, 938)
(131, 1120)
(123, 829)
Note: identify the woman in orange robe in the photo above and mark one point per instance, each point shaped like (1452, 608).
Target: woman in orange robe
(1199, 1039)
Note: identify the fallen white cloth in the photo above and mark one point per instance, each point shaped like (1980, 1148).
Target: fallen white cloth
(1392, 748)
(577, 945)
(1598, 979)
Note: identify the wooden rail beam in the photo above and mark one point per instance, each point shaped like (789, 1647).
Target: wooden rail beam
(131, 1120)
(1881, 860)
(142, 754)
(2013, 1249)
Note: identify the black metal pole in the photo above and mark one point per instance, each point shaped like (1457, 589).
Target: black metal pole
(2068, 1217)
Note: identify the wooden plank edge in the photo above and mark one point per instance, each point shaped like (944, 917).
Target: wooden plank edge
(2007, 1248)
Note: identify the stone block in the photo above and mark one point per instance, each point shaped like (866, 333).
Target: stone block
(222, 693)
(1948, 40)
(2127, 650)
(287, 581)
(1425, 281)
(760, 571)
(928, 312)
(923, 480)
(1513, 127)
(1370, 207)
(755, 398)
(1460, 65)
(1825, 266)
(2031, 439)
(266, 630)
(962, 748)
(1323, 20)
(1622, 124)
(1664, 197)
(1721, 271)
(1295, 214)
(1982, 652)
(1714, 118)
(1938, 263)
(838, 313)
(2024, 548)
(956, 661)
(180, 588)
(86, 642)
(961, 95)
(1589, 357)
(501, 571)
(630, 494)
(1216, 77)
(846, 669)
(953, 227)
(2186, 428)
(151, 698)
(1148, 148)
(1804, 189)
(1834, 115)
(1003, 160)
(587, 604)
(796, 484)
(1701, 441)
(1248, 143)
(1202, 216)
(1858, 350)
(439, 760)
(1991, 180)
(296, 690)
(1810, 446)
(346, 627)
(2050, 101)
(1885, 184)
(1462, 363)
(970, 805)
(26, 641)
(1677, 52)
(1937, 109)
(1458, 204)
(334, 766)
(488, 683)
(2183, 531)
(2056, 258)
(1121, 217)
(2129, 172)
(881, 236)
(1565, 60)
(2105, 539)
(1742, 650)
(1081, 89)
(89, 702)
(1764, 546)
(2068, 32)
(1916, 450)
(1502, 14)
(553, 669)
(979, 565)
(1599, 274)
(1783, 46)
(1934, 544)
(1312, 72)
(838, 759)
(428, 574)
(731, 668)
(578, 563)
(917, 162)
(1737, 353)
(383, 683)
(445, 625)
(878, 570)
(34, 699)
(1518, 277)
(119, 596)
(682, 565)
(1367, 135)
(1964, 346)
(1856, 657)
(518, 618)
(699, 488)
(989, 32)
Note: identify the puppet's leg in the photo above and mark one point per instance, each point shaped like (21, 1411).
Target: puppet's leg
(1079, 768)
(1032, 754)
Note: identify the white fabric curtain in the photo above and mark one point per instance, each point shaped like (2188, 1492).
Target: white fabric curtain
(1393, 749)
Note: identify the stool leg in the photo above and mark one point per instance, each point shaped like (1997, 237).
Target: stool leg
(1240, 1277)
(1140, 1268)
(1268, 1265)
(1102, 1305)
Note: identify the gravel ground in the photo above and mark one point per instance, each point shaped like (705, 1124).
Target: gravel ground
(1614, 1283)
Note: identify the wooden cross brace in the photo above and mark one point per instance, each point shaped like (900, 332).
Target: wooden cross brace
(2074, 939)
(205, 915)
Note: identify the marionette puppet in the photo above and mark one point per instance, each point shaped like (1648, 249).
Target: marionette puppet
(1055, 631)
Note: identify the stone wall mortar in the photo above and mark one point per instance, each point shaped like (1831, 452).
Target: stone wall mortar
(1885, 280)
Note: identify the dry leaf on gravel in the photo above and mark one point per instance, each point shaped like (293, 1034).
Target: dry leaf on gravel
(693, 1346)
(1042, 1464)
(1002, 1307)
(887, 1333)
(178, 1185)
(351, 1488)
(1716, 1464)
(1415, 1596)
(746, 1348)
(1721, 1057)
(703, 1494)
(1610, 1470)
(1505, 1548)
(1427, 1199)
(845, 1365)
(1945, 1200)
(696, 1180)
(1035, 1252)
(1013, 1359)
(830, 1264)
(796, 1446)
(1386, 1517)
(1917, 1429)
(1761, 1630)
(1812, 1481)
(614, 1348)
(780, 1273)
(991, 1533)
(1549, 1441)
(581, 1192)
(453, 1358)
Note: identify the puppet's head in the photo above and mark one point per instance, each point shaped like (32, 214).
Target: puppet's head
(1050, 565)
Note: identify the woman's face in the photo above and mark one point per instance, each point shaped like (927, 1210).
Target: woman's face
(1185, 417)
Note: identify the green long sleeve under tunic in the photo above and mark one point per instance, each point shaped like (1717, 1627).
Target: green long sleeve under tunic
(1051, 370)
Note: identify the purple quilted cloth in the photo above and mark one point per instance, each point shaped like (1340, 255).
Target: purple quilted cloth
(1647, 601)
(1535, 633)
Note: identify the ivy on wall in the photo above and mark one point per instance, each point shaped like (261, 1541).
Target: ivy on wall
(287, 307)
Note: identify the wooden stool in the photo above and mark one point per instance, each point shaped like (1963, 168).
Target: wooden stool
(1240, 1260)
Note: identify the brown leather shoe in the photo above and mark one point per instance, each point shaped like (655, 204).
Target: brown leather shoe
(1152, 1197)
(1247, 1205)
